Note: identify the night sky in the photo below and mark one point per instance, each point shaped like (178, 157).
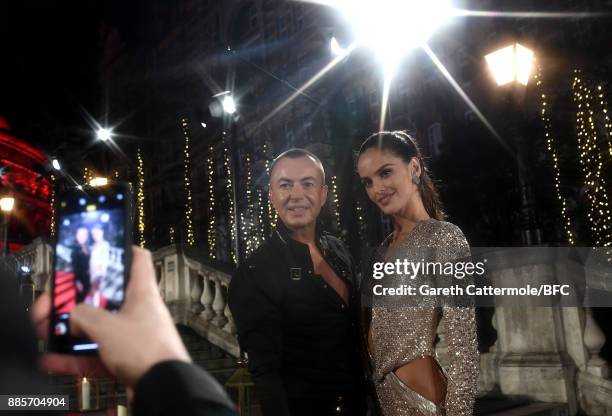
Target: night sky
(49, 71)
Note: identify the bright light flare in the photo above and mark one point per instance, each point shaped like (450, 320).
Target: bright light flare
(56, 164)
(336, 49)
(104, 134)
(512, 63)
(98, 181)
(7, 203)
(434, 58)
(391, 28)
(229, 105)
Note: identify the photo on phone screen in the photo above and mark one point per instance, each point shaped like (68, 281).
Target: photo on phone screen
(91, 258)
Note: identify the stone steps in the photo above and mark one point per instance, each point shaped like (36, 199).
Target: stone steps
(505, 406)
(535, 409)
(213, 359)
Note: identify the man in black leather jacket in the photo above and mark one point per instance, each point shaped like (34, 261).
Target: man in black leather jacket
(294, 303)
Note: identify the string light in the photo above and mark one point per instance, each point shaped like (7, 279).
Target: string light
(260, 214)
(88, 175)
(229, 185)
(211, 234)
(336, 200)
(250, 230)
(249, 202)
(140, 198)
(52, 225)
(272, 215)
(552, 150)
(188, 202)
(590, 157)
(116, 175)
(171, 234)
(360, 223)
(603, 103)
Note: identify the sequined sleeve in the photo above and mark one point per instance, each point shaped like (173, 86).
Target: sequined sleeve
(459, 325)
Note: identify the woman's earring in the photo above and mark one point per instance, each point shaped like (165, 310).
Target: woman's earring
(416, 179)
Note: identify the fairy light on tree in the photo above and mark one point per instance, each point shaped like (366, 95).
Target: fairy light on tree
(228, 183)
(52, 225)
(336, 199)
(260, 214)
(249, 203)
(604, 110)
(187, 185)
(551, 146)
(272, 215)
(590, 157)
(210, 181)
(360, 223)
(250, 228)
(88, 175)
(140, 199)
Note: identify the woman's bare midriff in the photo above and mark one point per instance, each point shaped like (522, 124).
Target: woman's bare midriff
(422, 375)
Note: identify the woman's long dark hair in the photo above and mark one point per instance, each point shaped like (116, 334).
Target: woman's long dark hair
(402, 145)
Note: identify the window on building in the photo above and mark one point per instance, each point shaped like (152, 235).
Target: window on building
(298, 13)
(252, 16)
(289, 133)
(217, 27)
(434, 140)
(281, 27)
(308, 132)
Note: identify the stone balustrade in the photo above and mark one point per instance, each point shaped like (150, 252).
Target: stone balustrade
(197, 296)
(547, 354)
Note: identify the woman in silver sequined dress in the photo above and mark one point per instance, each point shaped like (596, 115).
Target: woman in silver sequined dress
(405, 371)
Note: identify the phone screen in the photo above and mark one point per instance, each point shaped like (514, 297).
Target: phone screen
(91, 258)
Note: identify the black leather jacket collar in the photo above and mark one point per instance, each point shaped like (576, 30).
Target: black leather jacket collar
(332, 249)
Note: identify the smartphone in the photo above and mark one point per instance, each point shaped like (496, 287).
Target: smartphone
(91, 258)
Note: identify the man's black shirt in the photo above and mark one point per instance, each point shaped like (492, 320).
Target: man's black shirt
(301, 338)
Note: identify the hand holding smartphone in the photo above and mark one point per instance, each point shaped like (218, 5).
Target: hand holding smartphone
(129, 341)
(91, 258)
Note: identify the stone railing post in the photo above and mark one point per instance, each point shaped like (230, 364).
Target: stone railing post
(196, 293)
(533, 357)
(219, 306)
(230, 326)
(160, 270)
(207, 298)
(594, 340)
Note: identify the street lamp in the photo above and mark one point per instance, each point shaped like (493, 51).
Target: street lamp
(229, 105)
(98, 181)
(512, 65)
(104, 134)
(6, 205)
(56, 164)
